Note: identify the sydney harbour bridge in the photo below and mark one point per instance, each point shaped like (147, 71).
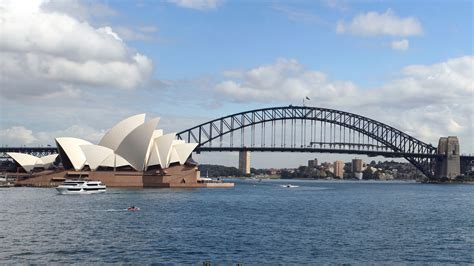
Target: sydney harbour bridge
(313, 129)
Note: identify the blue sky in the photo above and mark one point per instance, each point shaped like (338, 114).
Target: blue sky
(243, 34)
(78, 66)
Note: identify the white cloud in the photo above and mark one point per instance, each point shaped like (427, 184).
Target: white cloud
(286, 80)
(77, 131)
(427, 101)
(401, 45)
(197, 4)
(446, 83)
(17, 135)
(373, 23)
(52, 53)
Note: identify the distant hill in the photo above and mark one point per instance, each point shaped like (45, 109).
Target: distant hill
(218, 170)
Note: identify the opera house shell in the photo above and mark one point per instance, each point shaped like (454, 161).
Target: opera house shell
(133, 153)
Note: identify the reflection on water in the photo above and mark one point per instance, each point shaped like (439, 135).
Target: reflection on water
(254, 223)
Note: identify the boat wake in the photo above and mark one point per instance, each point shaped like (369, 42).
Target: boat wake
(111, 210)
(289, 186)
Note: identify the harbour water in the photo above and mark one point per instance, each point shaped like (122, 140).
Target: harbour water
(252, 223)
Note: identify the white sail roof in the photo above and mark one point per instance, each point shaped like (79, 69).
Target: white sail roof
(71, 146)
(28, 162)
(131, 142)
(156, 133)
(114, 160)
(47, 161)
(163, 147)
(174, 158)
(184, 150)
(96, 154)
(117, 133)
(154, 158)
(134, 146)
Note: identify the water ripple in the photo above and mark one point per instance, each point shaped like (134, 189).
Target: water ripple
(253, 223)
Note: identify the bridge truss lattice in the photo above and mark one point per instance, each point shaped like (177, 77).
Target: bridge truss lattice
(309, 129)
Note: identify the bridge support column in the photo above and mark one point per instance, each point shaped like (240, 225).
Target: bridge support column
(244, 162)
(449, 164)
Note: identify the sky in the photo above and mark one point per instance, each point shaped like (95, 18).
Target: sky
(75, 68)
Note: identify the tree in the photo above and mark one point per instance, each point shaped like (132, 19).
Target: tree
(368, 173)
(285, 174)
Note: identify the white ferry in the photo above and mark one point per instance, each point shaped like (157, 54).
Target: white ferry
(81, 187)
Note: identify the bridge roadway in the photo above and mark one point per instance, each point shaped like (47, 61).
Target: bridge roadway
(389, 154)
(43, 151)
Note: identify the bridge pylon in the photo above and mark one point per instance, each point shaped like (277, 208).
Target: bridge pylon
(449, 163)
(244, 162)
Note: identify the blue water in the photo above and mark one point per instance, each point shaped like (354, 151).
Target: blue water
(253, 223)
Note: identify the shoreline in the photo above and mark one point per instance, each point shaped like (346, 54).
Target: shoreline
(452, 182)
(363, 180)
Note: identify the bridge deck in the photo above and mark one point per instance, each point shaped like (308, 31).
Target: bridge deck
(369, 153)
(52, 150)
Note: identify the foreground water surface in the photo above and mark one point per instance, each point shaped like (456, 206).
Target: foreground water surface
(253, 223)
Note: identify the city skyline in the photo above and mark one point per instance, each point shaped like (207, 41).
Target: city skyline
(72, 68)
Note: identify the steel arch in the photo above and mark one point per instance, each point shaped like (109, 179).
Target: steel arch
(419, 153)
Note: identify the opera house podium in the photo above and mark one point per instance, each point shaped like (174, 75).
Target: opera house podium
(133, 153)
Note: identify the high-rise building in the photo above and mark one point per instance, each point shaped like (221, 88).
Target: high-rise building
(339, 169)
(357, 165)
(357, 168)
(313, 163)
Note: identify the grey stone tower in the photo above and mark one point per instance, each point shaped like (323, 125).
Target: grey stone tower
(450, 163)
(244, 162)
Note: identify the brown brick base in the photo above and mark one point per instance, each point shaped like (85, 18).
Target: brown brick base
(179, 176)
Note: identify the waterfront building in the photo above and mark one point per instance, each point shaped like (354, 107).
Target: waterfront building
(357, 165)
(339, 169)
(133, 153)
(313, 163)
(273, 171)
(325, 166)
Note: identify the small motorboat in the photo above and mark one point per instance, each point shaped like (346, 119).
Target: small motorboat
(289, 186)
(133, 209)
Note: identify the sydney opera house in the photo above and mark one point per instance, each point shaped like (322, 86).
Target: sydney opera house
(133, 153)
